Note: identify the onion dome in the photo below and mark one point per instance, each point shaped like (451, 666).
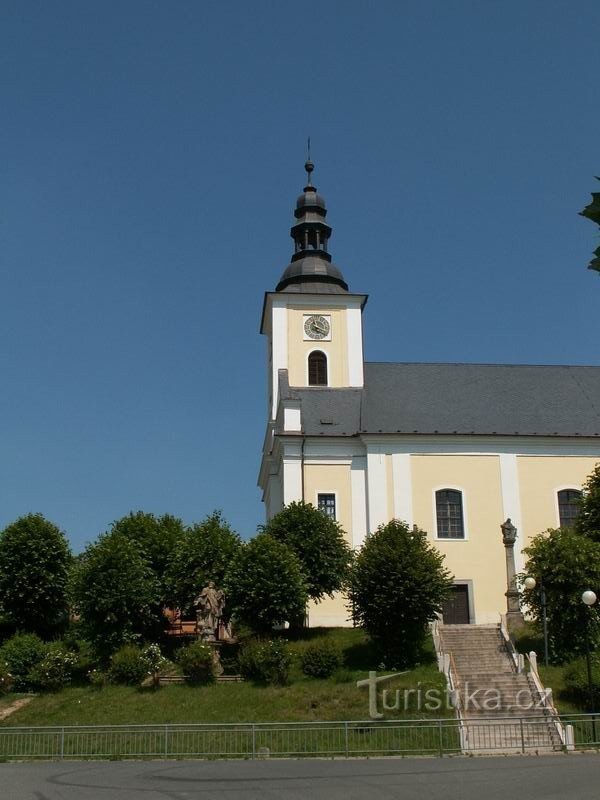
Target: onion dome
(311, 269)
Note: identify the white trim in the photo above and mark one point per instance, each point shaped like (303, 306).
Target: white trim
(292, 480)
(560, 489)
(402, 483)
(463, 504)
(460, 445)
(355, 346)
(292, 417)
(279, 349)
(308, 355)
(358, 484)
(377, 490)
(511, 503)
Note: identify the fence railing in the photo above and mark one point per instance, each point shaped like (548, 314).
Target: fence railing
(344, 739)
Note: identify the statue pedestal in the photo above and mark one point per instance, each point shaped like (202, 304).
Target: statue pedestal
(216, 656)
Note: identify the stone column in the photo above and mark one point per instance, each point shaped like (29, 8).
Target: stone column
(514, 616)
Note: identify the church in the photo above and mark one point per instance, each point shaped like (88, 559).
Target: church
(455, 449)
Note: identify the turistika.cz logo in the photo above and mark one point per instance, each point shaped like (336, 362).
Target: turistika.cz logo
(418, 698)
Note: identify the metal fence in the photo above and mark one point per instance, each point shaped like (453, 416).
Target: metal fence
(295, 740)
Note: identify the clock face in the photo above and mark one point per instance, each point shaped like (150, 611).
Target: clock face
(317, 327)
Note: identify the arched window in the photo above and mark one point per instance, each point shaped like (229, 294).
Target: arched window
(317, 369)
(449, 514)
(568, 506)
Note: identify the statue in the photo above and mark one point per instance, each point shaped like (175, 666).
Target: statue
(209, 604)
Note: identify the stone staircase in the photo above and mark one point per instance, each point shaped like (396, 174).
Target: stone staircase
(500, 706)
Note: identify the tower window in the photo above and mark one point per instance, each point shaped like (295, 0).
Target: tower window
(326, 504)
(317, 369)
(568, 507)
(449, 514)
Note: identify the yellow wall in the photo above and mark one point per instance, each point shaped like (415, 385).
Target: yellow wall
(327, 478)
(330, 478)
(480, 557)
(540, 477)
(336, 349)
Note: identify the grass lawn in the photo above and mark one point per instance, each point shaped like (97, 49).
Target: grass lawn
(304, 699)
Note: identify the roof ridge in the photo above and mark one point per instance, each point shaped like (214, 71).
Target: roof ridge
(475, 364)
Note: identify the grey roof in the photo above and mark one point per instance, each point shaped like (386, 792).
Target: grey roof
(504, 399)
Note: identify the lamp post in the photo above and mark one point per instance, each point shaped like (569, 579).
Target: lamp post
(531, 583)
(589, 598)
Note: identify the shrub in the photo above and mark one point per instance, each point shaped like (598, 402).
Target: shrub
(576, 678)
(153, 659)
(321, 659)
(197, 663)
(128, 666)
(266, 661)
(397, 586)
(569, 563)
(6, 679)
(21, 653)
(265, 584)
(97, 678)
(34, 563)
(318, 541)
(53, 671)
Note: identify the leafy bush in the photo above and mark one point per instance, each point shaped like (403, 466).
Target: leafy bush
(321, 659)
(397, 586)
(34, 563)
(97, 678)
(196, 662)
(318, 541)
(53, 671)
(21, 653)
(266, 661)
(116, 592)
(569, 563)
(128, 666)
(265, 584)
(6, 679)
(153, 659)
(576, 678)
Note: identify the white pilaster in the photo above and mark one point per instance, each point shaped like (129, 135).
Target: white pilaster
(292, 479)
(355, 346)
(377, 490)
(279, 344)
(402, 482)
(358, 485)
(511, 502)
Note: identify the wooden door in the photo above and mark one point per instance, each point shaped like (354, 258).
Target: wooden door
(455, 610)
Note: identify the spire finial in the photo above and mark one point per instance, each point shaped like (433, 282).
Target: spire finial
(308, 166)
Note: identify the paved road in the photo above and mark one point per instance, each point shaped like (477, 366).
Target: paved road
(573, 777)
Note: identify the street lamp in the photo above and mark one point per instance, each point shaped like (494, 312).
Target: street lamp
(589, 598)
(531, 583)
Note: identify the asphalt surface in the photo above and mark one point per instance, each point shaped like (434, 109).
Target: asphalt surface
(549, 777)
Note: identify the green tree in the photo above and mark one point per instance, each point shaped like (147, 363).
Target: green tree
(397, 586)
(34, 565)
(157, 538)
(201, 554)
(569, 563)
(592, 212)
(318, 541)
(588, 519)
(116, 592)
(265, 584)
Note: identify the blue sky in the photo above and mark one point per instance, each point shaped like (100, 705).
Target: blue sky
(151, 156)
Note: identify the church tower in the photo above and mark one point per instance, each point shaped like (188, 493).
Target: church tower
(312, 322)
(313, 325)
